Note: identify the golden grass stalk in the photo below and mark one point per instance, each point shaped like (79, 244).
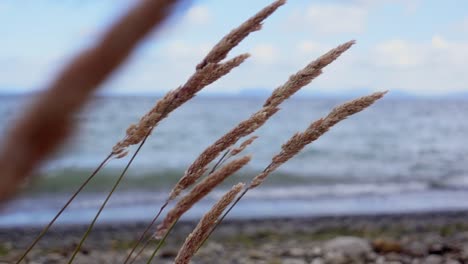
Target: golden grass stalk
(201, 231)
(296, 143)
(198, 192)
(279, 95)
(205, 74)
(49, 119)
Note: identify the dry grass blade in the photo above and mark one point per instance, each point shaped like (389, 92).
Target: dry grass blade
(201, 231)
(198, 192)
(220, 50)
(295, 82)
(314, 131)
(49, 119)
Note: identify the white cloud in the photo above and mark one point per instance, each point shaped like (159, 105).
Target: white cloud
(434, 66)
(429, 65)
(265, 54)
(409, 5)
(199, 15)
(308, 47)
(439, 42)
(28, 73)
(462, 26)
(91, 32)
(335, 18)
(397, 53)
(181, 50)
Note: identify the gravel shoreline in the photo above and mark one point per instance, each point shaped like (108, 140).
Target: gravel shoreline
(407, 238)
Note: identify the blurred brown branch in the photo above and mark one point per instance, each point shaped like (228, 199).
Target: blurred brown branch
(43, 127)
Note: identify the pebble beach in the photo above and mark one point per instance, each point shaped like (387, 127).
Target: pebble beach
(398, 238)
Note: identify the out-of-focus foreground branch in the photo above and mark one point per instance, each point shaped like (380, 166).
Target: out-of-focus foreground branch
(43, 127)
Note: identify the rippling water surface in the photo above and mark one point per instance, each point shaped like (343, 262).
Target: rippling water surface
(399, 155)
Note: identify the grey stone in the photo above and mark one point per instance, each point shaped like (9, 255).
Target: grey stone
(317, 261)
(295, 252)
(335, 257)
(416, 248)
(434, 259)
(451, 261)
(315, 252)
(294, 261)
(352, 247)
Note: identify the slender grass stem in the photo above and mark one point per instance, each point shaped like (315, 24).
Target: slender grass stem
(220, 161)
(90, 227)
(160, 244)
(70, 200)
(223, 216)
(144, 233)
(145, 245)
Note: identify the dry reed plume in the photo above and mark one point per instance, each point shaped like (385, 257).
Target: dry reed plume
(49, 119)
(198, 192)
(279, 95)
(201, 231)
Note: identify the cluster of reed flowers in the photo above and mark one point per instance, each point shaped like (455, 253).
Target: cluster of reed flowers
(245, 128)
(200, 166)
(209, 70)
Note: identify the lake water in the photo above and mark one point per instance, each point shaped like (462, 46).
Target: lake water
(400, 155)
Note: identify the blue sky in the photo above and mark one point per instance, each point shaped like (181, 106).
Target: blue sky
(416, 46)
